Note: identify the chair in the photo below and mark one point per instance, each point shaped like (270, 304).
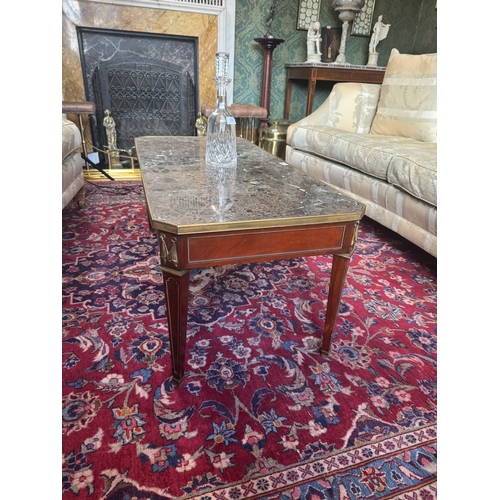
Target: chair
(248, 119)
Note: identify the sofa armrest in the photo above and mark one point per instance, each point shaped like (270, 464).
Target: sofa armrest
(350, 107)
(71, 139)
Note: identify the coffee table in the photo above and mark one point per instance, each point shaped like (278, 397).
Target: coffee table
(267, 210)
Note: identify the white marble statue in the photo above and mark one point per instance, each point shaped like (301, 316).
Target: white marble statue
(380, 31)
(314, 42)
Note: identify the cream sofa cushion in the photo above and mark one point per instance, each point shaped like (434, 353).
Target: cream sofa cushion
(406, 163)
(413, 219)
(352, 106)
(408, 98)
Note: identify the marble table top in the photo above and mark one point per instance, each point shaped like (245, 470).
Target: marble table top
(185, 196)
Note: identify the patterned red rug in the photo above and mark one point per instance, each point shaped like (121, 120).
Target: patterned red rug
(261, 414)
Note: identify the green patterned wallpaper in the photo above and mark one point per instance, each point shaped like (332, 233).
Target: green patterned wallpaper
(413, 31)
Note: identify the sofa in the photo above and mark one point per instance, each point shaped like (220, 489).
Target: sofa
(377, 143)
(72, 171)
(73, 145)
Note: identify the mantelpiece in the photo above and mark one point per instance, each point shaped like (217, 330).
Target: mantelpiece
(224, 10)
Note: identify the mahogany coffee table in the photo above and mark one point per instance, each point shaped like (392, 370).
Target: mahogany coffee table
(267, 210)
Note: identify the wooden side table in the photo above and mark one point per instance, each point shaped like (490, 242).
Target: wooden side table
(329, 72)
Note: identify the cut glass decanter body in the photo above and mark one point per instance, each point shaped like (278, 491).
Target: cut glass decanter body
(221, 126)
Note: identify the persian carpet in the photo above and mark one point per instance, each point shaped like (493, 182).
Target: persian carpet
(260, 413)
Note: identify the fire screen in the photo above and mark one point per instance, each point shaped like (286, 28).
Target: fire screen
(147, 81)
(154, 98)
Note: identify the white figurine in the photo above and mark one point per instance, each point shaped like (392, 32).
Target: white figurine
(314, 42)
(380, 31)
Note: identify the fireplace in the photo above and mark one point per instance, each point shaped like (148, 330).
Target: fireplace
(212, 25)
(147, 81)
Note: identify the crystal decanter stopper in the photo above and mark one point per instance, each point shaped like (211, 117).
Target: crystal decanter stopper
(221, 126)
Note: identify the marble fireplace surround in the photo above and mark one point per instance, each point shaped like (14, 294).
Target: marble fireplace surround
(212, 24)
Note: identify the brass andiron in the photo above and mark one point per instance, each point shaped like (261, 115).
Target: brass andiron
(201, 125)
(128, 157)
(113, 152)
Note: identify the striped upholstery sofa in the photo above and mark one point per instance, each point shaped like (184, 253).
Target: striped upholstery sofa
(378, 144)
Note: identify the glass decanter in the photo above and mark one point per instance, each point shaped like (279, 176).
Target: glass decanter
(221, 126)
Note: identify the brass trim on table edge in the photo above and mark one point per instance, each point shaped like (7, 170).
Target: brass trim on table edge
(297, 222)
(118, 174)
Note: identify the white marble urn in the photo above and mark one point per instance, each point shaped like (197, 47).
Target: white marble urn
(347, 9)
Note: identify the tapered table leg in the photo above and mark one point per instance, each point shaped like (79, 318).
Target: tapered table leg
(176, 285)
(340, 265)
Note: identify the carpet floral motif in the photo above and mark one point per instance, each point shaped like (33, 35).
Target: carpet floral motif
(260, 413)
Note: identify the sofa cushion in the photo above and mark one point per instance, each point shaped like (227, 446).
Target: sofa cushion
(415, 175)
(409, 164)
(352, 106)
(367, 188)
(408, 98)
